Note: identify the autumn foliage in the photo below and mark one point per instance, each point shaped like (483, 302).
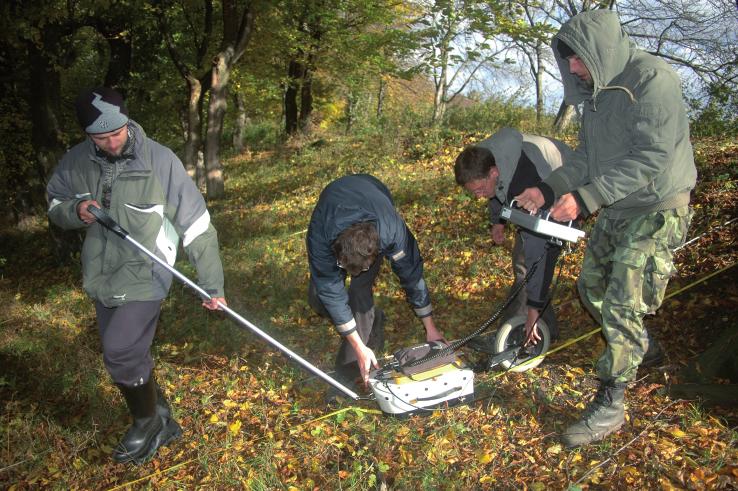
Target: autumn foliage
(252, 419)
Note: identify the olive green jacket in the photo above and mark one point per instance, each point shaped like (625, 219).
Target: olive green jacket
(634, 155)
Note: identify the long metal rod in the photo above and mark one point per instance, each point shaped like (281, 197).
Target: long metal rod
(244, 322)
(106, 221)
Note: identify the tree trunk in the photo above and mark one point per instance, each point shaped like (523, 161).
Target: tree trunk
(350, 111)
(193, 141)
(440, 96)
(294, 75)
(240, 129)
(539, 83)
(380, 96)
(119, 67)
(439, 100)
(236, 34)
(216, 114)
(563, 117)
(306, 102)
(44, 92)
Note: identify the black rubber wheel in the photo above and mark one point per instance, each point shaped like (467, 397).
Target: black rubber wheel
(512, 333)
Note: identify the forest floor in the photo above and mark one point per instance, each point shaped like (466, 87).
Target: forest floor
(254, 420)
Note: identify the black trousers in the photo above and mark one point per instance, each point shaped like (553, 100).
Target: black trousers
(126, 333)
(361, 302)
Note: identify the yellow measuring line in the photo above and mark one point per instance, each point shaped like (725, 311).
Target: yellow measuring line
(376, 411)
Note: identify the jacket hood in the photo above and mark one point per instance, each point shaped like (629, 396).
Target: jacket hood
(599, 40)
(506, 146)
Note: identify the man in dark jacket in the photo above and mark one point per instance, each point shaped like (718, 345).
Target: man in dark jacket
(353, 226)
(143, 186)
(498, 168)
(635, 164)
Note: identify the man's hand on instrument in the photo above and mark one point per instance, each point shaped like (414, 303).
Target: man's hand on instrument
(530, 199)
(431, 331)
(83, 213)
(532, 335)
(566, 208)
(364, 356)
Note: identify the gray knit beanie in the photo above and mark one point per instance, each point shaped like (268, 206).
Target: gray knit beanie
(101, 110)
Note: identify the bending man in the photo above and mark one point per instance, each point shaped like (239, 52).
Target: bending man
(498, 169)
(353, 226)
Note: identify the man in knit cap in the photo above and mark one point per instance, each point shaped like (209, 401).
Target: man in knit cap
(635, 165)
(144, 187)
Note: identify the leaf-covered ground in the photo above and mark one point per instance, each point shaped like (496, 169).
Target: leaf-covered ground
(252, 419)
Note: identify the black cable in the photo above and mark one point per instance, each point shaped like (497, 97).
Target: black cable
(454, 346)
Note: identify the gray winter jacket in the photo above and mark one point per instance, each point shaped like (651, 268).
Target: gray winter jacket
(634, 155)
(154, 199)
(523, 160)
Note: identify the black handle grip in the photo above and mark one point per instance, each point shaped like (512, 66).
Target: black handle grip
(107, 222)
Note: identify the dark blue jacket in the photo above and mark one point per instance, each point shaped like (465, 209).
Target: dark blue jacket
(344, 202)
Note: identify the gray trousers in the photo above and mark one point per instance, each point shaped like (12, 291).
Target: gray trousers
(126, 333)
(361, 302)
(519, 305)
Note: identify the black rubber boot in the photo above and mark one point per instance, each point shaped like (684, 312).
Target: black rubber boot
(138, 444)
(654, 356)
(171, 429)
(604, 415)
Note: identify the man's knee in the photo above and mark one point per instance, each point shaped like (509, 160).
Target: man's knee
(128, 368)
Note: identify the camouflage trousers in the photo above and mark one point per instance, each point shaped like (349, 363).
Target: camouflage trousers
(626, 268)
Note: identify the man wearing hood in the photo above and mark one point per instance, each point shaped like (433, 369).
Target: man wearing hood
(144, 187)
(353, 226)
(499, 168)
(634, 164)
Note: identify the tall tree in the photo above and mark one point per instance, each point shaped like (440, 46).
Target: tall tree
(190, 57)
(454, 42)
(307, 22)
(237, 29)
(528, 28)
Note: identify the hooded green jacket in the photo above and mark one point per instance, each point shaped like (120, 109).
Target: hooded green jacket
(634, 155)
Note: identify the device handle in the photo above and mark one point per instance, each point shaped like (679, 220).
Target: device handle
(548, 214)
(107, 222)
(440, 395)
(513, 202)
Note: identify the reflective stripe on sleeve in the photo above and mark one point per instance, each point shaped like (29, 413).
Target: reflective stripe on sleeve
(424, 311)
(196, 229)
(347, 328)
(398, 255)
